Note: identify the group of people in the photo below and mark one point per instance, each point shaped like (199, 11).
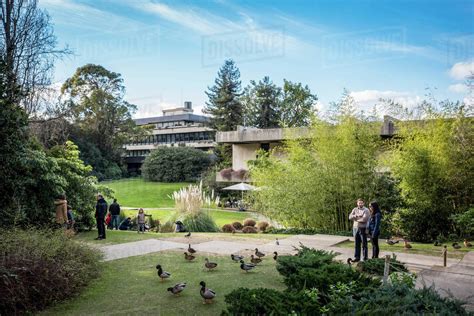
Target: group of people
(366, 224)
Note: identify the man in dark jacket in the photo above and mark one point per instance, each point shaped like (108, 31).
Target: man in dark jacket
(100, 212)
(114, 210)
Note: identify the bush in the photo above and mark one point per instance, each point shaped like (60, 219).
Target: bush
(237, 225)
(175, 164)
(249, 230)
(259, 301)
(228, 228)
(377, 266)
(249, 222)
(306, 258)
(262, 226)
(167, 227)
(465, 223)
(307, 231)
(39, 268)
(226, 173)
(201, 222)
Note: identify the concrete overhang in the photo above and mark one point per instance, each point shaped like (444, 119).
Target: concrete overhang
(254, 135)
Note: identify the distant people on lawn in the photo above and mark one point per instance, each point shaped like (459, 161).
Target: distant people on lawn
(100, 212)
(126, 224)
(180, 227)
(374, 227)
(141, 221)
(360, 215)
(114, 210)
(108, 221)
(61, 210)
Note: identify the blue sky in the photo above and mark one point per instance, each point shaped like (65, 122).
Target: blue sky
(169, 52)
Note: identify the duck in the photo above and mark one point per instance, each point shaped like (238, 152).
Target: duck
(189, 257)
(259, 254)
(277, 242)
(246, 266)
(392, 242)
(178, 288)
(210, 265)
(191, 250)
(206, 293)
(162, 274)
(437, 243)
(255, 260)
(467, 244)
(456, 246)
(349, 261)
(275, 255)
(188, 235)
(236, 258)
(407, 245)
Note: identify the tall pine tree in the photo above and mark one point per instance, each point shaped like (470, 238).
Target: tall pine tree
(224, 99)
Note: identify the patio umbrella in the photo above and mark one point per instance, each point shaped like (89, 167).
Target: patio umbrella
(240, 187)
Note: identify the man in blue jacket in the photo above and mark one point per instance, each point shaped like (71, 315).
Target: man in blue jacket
(100, 213)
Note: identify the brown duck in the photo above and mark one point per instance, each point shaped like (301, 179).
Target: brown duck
(189, 257)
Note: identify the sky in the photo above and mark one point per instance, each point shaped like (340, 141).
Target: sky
(169, 52)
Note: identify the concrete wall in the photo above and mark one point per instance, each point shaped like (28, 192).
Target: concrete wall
(241, 153)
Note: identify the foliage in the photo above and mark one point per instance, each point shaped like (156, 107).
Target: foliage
(249, 230)
(465, 223)
(39, 268)
(192, 199)
(306, 258)
(297, 105)
(307, 231)
(376, 266)
(200, 222)
(403, 279)
(175, 164)
(228, 228)
(260, 301)
(224, 105)
(323, 175)
(433, 160)
(262, 226)
(237, 225)
(249, 222)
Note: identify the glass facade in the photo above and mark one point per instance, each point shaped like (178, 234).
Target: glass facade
(177, 138)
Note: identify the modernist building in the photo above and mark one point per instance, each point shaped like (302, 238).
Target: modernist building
(177, 127)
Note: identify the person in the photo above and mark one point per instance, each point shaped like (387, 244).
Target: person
(126, 224)
(114, 209)
(61, 210)
(374, 227)
(180, 227)
(141, 221)
(108, 221)
(100, 212)
(360, 215)
(70, 218)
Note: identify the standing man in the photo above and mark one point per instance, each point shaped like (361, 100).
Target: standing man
(60, 204)
(114, 210)
(360, 215)
(100, 212)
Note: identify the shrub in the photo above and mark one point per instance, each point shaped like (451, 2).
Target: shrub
(249, 230)
(377, 266)
(226, 173)
(237, 225)
(201, 222)
(192, 199)
(228, 228)
(167, 227)
(307, 231)
(262, 226)
(241, 174)
(306, 258)
(39, 268)
(249, 222)
(175, 164)
(465, 223)
(259, 301)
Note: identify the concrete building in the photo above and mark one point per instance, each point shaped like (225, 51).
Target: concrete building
(177, 127)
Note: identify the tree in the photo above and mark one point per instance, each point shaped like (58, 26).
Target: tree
(224, 104)
(99, 112)
(262, 103)
(175, 164)
(297, 105)
(28, 48)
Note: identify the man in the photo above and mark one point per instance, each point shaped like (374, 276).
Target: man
(126, 224)
(100, 212)
(114, 210)
(60, 204)
(360, 215)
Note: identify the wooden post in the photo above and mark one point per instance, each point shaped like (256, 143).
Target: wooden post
(386, 269)
(445, 256)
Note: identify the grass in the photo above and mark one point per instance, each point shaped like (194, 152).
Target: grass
(140, 193)
(418, 248)
(131, 286)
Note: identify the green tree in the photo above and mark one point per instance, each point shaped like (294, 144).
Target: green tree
(297, 105)
(175, 164)
(224, 99)
(262, 102)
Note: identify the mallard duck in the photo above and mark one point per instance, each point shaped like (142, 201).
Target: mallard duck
(259, 254)
(392, 242)
(178, 288)
(246, 266)
(437, 243)
(236, 258)
(467, 244)
(406, 244)
(162, 274)
(191, 250)
(189, 257)
(209, 265)
(349, 261)
(206, 293)
(275, 255)
(188, 235)
(255, 260)
(277, 242)
(456, 246)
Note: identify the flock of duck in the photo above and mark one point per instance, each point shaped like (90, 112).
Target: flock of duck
(206, 293)
(437, 243)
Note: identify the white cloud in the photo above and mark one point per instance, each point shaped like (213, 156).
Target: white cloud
(458, 88)
(462, 70)
(366, 99)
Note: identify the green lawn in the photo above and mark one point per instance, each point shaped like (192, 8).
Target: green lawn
(418, 248)
(131, 286)
(140, 193)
